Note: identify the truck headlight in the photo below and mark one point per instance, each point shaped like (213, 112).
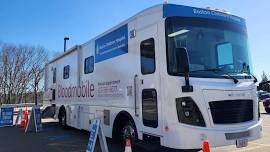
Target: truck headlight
(188, 112)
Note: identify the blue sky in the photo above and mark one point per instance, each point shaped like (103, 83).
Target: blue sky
(46, 22)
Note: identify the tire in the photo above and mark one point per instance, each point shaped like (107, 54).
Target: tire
(63, 119)
(267, 110)
(121, 131)
(129, 129)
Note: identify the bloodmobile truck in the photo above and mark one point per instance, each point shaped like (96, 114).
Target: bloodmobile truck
(171, 75)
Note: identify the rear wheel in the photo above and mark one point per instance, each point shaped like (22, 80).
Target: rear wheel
(267, 110)
(62, 118)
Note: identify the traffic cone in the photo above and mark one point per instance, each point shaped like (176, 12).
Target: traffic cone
(22, 124)
(128, 145)
(206, 146)
(24, 120)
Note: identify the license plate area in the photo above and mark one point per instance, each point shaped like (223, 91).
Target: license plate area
(237, 135)
(241, 143)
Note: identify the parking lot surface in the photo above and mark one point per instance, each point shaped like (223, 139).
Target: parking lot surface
(55, 139)
(52, 139)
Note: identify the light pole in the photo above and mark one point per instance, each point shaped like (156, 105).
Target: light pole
(65, 43)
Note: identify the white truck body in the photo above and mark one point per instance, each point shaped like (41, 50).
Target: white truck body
(116, 85)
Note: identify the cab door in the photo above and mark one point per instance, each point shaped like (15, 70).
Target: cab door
(149, 83)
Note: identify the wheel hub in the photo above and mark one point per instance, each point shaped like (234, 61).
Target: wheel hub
(128, 132)
(63, 120)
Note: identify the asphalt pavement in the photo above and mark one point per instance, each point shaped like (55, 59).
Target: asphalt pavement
(53, 138)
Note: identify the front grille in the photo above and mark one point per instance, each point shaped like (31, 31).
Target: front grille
(231, 111)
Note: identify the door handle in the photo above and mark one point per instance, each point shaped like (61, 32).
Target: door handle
(135, 94)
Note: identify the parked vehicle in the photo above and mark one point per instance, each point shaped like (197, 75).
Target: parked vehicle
(266, 104)
(173, 75)
(263, 95)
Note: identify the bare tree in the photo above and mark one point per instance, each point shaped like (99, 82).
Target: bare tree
(24, 75)
(38, 70)
(21, 70)
(8, 62)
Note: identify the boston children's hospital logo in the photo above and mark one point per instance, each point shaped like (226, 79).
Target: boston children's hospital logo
(112, 44)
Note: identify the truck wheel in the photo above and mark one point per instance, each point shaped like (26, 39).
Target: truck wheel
(129, 131)
(63, 119)
(267, 110)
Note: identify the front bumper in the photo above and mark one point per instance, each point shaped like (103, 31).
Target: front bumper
(189, 137)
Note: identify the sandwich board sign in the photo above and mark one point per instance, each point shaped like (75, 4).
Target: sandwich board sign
(96, 130)
(37, 117)
(6, 116)
(19, 117)
(34, 123)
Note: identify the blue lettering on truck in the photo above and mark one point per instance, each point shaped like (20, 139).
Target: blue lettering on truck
(112, 44)
(186, 11)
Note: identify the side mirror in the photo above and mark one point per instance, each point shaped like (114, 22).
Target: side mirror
(182, 61)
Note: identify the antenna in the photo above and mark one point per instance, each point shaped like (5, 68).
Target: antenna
(165, 1)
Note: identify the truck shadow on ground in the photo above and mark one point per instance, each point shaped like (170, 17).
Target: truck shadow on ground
(71, 139)
(52, 138)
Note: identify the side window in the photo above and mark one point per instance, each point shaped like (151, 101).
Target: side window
(66, 72)
(89, 65)
(54, 75)
(148, 65)
(149, 108)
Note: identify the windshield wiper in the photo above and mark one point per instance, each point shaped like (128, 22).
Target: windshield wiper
(255, 79)
(215, 70)
(245, 70)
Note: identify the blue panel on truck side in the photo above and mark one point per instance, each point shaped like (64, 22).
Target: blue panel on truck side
(187, 11)
(112, 44)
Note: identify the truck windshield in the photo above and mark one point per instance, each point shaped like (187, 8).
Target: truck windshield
(211, 44)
